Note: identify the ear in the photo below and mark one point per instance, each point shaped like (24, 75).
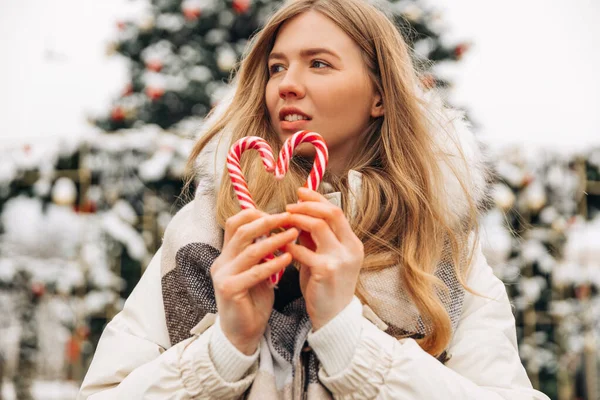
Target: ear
(377, 106)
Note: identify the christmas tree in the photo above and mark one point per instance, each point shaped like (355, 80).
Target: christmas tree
(541, 240)
(78, 221)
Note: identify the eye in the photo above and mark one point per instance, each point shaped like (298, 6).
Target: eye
(320, 62)
(273, 68)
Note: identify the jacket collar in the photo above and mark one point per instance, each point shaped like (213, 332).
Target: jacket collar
(451, 132)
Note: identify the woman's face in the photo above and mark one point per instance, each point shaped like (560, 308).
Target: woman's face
(316, 70)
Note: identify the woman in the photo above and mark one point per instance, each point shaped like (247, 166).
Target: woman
(386, 293)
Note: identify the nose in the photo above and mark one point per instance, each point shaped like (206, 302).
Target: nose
(290, 85)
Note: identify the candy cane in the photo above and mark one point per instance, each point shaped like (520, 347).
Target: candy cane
(280, 169)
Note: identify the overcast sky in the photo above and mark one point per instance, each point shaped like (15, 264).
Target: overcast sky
(534, 73)
(532, 76)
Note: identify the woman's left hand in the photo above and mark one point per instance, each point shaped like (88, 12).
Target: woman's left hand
(330, 255)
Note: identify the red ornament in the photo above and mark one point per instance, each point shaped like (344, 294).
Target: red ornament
(191, 13)
(38, 289)
(73, 350)
(582, 292)
(460, 50)
(154, 65)
(88, 207)
(241, 6)
(154, 93)
(117, 114)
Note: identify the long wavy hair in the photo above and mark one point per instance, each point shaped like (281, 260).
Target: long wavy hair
(401, 216)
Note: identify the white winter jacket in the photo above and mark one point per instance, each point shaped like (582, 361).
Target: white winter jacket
(134, 359)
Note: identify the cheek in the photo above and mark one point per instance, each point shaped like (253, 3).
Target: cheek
(344, 101)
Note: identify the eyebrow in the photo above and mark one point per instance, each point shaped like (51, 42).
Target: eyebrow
(306, 53)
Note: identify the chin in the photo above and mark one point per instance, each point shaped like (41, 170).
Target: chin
(306, 150)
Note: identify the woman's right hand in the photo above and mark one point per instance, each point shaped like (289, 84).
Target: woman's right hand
(243, 293)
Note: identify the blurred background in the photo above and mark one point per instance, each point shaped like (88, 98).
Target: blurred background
(101, 104)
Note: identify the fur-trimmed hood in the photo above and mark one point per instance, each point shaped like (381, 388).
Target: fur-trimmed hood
(452, 133)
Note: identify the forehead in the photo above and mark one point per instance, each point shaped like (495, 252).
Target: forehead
(313, 29)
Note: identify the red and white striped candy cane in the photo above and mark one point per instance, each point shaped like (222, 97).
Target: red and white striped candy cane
(280, 169)
(321, 158)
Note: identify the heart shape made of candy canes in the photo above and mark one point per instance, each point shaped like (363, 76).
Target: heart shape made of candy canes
(279, 169)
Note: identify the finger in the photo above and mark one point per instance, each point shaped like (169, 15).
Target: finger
(318, 228)
(332, 214)
(246, 234)
(256, 252)
(306, 240)
(239, 219)
(259, 273)
(306, 194)
(303, 255)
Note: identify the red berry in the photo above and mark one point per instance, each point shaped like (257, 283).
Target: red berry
(154, 65)
(241, 6)
(117, 114)
(38, 289)
(155, 93)
(191, 13)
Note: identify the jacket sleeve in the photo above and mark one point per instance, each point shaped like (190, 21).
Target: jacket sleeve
(134, 358)
(484, 361)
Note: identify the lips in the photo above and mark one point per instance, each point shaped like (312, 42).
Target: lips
(294, 125)
(291, 110)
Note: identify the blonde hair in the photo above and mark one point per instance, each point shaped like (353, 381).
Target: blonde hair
(400, 218)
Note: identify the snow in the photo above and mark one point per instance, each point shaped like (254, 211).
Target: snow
(126, 234)
(531, 288)
(156, 167)
(64, 191)
(45, 390)
(59, 245)
(581, 261)
(31, 232)
(7, 269)
(496, 240)
(97, 301)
